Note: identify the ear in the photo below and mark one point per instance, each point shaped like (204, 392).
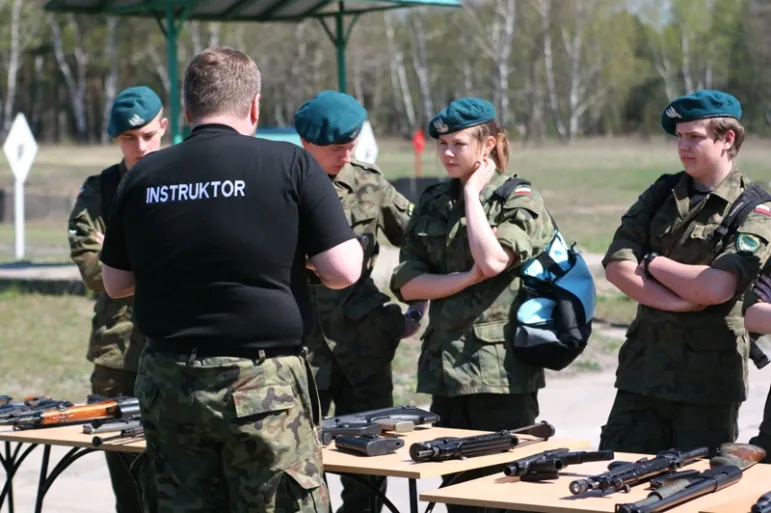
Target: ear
(728, 139)
(306, 144)
(254, 111)
(489, 144)
(164, 124)
(188, 117)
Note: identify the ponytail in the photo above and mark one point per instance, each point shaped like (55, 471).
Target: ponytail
(501, 152)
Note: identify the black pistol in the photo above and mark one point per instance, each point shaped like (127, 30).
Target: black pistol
(763, 504)
(369, 445)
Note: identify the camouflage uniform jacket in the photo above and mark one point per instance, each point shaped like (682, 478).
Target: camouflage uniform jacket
(353, 324)
(465, 347)
(695, 357)
(114, 342)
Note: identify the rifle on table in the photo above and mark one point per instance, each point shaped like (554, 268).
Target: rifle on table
(399, 419)
(448, 448)
(725, 469)
(547, 464)
(120, 407)
(622, 475)
(10, 409)
(134, 432)
(763, 505)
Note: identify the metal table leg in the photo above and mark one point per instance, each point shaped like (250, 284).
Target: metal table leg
(11, 462)
(46, 479)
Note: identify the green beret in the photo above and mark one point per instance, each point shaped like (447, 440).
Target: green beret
(705, 103)
(133, 108)
(330, 117)
(460, 114)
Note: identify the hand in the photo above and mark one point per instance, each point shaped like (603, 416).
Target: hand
(763, 288)
(100, 237)
(481, 176)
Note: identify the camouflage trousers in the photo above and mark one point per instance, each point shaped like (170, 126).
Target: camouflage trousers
(372, 393)
(483, 412)
(109, 382)
(763, 439)
(648, 425)
(234, 435)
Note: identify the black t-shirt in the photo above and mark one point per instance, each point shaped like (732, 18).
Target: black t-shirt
(216, 230)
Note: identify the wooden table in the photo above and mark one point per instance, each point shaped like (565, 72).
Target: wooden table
(400, 464)
(67, 436)
(742, 505)
(500, 491)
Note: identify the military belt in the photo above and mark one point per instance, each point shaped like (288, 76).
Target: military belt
(236, 351)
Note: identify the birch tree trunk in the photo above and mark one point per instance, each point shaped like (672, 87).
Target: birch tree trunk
(544, 9)
(13, 65)
(420, 64)
(76, 85)
(399, 73)
(506, 14)
(111, 80)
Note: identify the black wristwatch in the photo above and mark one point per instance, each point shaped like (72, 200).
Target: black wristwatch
(647, 259)
(414, 316)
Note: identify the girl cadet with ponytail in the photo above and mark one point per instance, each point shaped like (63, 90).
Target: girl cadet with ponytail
(463, 246)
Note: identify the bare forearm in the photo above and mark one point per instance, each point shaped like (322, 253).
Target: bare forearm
(629, 280)
(699, 284)
(485, 248)
(757, 319)
(436, 286)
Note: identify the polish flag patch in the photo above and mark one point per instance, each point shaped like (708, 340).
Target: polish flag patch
(524, 189)
(762, 209)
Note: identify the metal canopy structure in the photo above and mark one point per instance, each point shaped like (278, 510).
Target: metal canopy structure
(171, 15)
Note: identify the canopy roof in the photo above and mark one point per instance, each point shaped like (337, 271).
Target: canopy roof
(237, 10)
(171, 14)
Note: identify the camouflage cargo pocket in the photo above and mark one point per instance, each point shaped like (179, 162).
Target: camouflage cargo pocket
(276, 398)
(298, 488)
(490, 353)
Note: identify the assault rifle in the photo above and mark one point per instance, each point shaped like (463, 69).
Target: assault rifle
(134, 432)
(725, 469)
(120, 407)
(547, 464)
(621, 475)
(448, 448)
(10, 409)
(399, 419)
(763, 505)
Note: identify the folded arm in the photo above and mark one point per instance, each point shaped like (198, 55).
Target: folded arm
(629, 278)
(700, 284)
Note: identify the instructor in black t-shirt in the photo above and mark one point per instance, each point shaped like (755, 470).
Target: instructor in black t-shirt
(212, 237)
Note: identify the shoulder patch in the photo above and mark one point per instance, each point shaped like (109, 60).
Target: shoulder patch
(522, 189)
(763, 209)
(515, 185)
(747, 243)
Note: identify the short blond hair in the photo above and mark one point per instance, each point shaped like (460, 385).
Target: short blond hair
(220, 81)
(721, 126)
